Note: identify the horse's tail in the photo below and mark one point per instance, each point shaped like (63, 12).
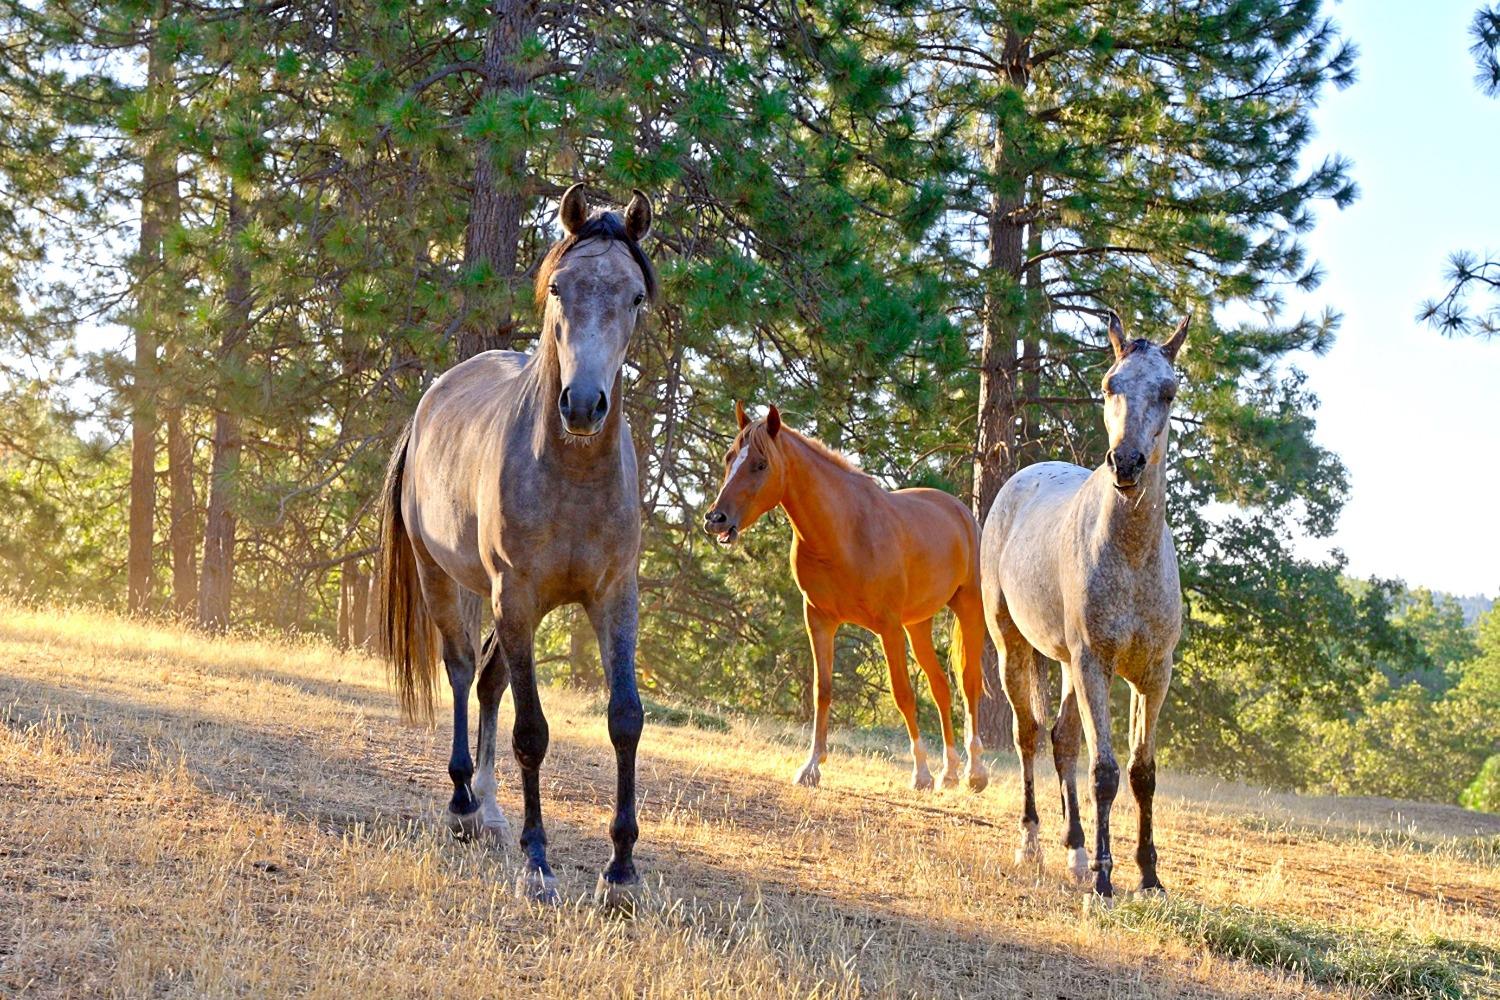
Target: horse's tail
(958, 654)
(406, 637)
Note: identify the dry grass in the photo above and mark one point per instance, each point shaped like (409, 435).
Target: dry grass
(194, 817)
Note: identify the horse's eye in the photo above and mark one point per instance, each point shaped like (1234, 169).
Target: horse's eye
(1169, 393)
(552, 290)
(640, 297)
(761, 466)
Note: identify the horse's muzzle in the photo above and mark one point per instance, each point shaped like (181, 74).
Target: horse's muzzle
(1127, 467)
(582, 410)
(717, 523)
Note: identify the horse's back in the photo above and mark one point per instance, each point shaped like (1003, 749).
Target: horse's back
(457, 426)
(941, 547)
(1021, 546)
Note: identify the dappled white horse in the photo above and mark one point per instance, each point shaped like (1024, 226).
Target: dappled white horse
(1080, 565)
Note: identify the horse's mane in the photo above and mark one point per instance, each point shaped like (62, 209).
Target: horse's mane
(602, 225)
(838, 458)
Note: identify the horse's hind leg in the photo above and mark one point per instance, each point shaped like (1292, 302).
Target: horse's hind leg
(1018, 670)
(441, 595)
(968, 612)
(494, 676)
(893, 641)
(1066, 734)
(921, 647)
(1146, 703)
(529, 740)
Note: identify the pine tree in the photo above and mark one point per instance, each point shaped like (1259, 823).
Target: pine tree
(1469, 272)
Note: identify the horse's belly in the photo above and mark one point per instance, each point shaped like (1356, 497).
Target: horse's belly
(1036, 609)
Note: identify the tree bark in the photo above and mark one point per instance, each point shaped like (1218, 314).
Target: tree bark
(183, 532)
(359, 593)
(999, 365)
(584, 666)
(492, 238)
(216, 584)
(157, 169)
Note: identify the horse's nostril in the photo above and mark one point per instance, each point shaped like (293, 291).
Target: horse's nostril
(716, 517)
(601, 406)
(562, 400)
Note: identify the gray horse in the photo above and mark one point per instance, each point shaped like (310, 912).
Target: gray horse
(515, 483)
(1080, 565)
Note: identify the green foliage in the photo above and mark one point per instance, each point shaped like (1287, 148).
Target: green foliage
(1483, 792)
(827, 182)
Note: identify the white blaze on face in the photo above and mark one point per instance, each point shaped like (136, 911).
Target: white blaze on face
(734, 466)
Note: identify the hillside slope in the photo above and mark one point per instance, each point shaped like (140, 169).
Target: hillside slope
(191, 817)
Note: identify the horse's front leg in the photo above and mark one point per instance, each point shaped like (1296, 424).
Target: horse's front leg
(821, 629)
(529, 742)
(1091, 677)
(615, 623)
(1145, 707)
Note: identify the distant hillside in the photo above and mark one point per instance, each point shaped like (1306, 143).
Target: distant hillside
(1474, 605)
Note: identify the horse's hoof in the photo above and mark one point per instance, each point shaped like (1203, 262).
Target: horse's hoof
(1029, 856)
(808, 777)
(948, 779)
(1095, 903)
(494, 829)
(538, 886)
(466, 826)
(1157, 892)
(619, 896)
(978, 780)
(1078, 864)
(922, 780)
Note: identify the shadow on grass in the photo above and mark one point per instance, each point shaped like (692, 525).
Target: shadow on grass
(371, 790)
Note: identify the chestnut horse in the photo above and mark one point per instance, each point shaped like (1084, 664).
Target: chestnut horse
(888, 562)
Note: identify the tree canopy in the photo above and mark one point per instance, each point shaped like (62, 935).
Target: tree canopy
(899, 221)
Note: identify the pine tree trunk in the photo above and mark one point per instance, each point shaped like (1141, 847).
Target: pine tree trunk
(216, 584)
(586, 670)
(494, 231)
(346, 608)
(359, 613)
(999, 366)
(157, 169)
(372, 609)
(183, 533)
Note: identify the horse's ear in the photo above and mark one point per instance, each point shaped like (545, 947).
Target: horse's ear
(1116, 334)
(638, 215)
(739, 414)
(573, 210)
(773, 421)
(1179, 337)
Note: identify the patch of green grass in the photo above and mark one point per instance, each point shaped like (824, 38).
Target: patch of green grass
(661, 714)
(1382, 962)
(1478, 849)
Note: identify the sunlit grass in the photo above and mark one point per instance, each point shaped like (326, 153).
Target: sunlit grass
(186, 815)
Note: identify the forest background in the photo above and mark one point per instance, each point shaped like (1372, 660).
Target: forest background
(899, 221)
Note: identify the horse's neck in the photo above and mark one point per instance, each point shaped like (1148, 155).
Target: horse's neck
(818, 495)
(1132, 525)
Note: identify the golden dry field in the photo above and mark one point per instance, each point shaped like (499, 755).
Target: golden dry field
(182, 816)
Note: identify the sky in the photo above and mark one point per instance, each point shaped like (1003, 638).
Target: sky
(1412, 414)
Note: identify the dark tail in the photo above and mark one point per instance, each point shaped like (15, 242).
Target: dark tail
(406, 637)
